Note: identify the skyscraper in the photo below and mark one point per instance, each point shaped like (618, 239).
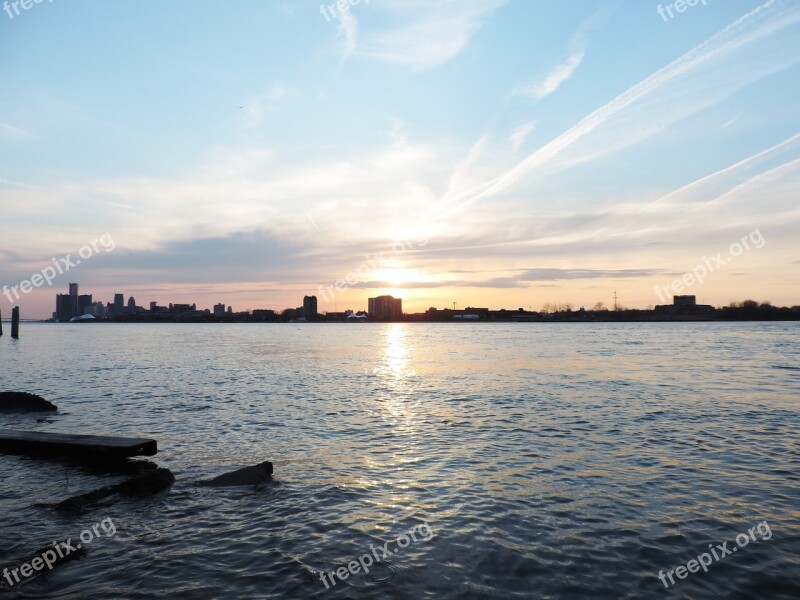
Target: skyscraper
(84, 305)
(310, 307)
(119, 304)
(386, 308)
(65, 307)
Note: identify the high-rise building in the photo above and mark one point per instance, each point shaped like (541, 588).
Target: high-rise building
(65, 307)
(84, 305)
(119, 304)
(386, 308)
(69, 305)
(219, 310)
(131, 304)
(310, 307)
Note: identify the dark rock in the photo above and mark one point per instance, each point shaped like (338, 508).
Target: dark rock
(248, 476)
(24, 402)
(149, 482)
(145, 484)
(46, 558)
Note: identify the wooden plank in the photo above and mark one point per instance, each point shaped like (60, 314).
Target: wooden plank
(55, 445)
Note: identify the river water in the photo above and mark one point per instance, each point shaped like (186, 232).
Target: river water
(530, 460)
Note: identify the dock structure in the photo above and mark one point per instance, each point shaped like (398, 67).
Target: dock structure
(60, 445)
(15, 322)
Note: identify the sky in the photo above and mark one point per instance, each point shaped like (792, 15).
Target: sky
(488, 153)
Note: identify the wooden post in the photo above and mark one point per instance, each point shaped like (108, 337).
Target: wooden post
(1, 323)
(15, 322)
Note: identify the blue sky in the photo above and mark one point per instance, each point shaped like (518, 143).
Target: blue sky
(251, 152)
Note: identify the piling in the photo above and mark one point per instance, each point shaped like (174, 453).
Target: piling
(1, 323)
(15, 322)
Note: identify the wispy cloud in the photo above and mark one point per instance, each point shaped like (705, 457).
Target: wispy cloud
(520, 134)
(564, 71)
(348, 32)
(438, 33)
(9, 131)
(737, 56)
(19, 184)
(257, 108)
(554, 79)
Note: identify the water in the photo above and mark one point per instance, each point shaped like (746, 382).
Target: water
(548, 460)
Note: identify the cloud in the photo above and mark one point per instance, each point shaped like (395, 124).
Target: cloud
(348, 32)
(746, 51)
(572, 274)
(258, 108)
(522, 279)
(254, 255)
(716, 185)
(565, 70)
(520, 134)
(554, 79)
(440, 32)
(11, 132)
(12, 183)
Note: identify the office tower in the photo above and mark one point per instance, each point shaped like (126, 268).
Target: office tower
(310, 307)
(65, 307)
(385, 308)
(84, 305)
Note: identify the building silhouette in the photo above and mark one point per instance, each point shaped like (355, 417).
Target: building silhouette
(385, 308)
(119, 305)
(85, 305)
(65, 308)
(310, 307)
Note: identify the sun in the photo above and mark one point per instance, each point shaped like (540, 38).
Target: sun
(397, 276)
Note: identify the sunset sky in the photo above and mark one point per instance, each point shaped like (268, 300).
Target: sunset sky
(497, 153)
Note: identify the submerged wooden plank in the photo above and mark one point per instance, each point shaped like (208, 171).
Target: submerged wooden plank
(55, 445)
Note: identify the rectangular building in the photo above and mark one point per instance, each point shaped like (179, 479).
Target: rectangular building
(385, 308)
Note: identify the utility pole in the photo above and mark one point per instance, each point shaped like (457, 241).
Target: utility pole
(616, 306)
(454, 306)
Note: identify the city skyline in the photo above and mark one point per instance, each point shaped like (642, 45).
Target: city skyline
(81, 307)
(535, 154)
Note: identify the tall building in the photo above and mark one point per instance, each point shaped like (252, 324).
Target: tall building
(310, 307)
(131, 304)
(69, 305)
(84, 305)
(386, 308)
(119, 304)
(219, 310)
(65, 307)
